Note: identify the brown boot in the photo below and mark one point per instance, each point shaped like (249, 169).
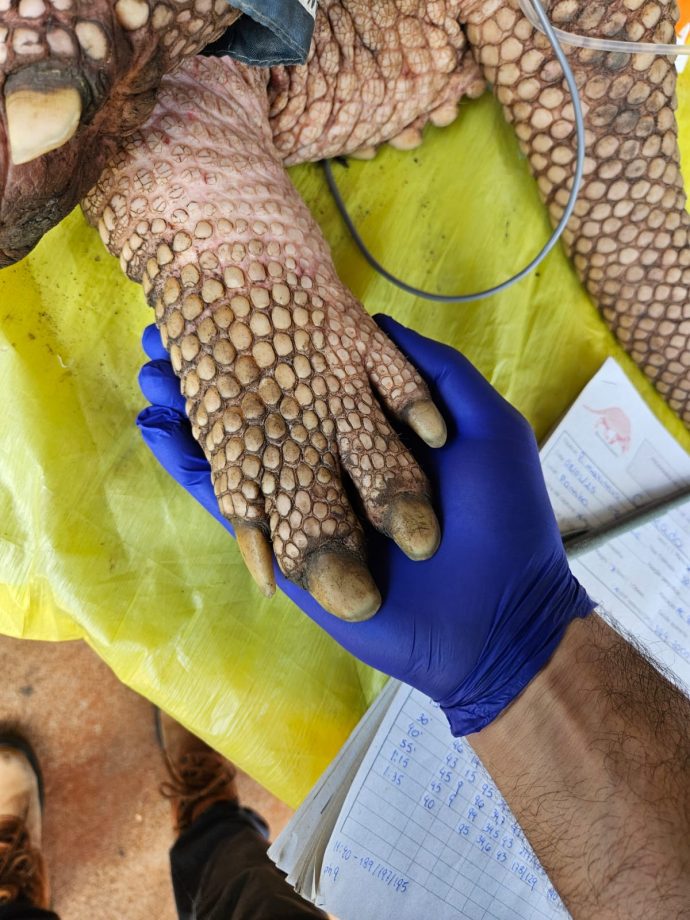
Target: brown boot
(199, 776)
(22, 870)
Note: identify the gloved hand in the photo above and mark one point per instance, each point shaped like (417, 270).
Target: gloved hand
(471, 626)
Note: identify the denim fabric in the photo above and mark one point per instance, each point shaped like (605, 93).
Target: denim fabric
(268, 32)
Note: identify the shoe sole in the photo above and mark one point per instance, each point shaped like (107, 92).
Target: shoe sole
(14, 740)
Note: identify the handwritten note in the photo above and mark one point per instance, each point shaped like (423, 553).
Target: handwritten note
(424, 832)
(608, 456)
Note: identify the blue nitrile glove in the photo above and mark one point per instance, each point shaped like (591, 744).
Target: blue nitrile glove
(471, 626)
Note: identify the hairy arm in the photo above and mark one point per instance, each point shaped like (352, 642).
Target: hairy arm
(594, 760)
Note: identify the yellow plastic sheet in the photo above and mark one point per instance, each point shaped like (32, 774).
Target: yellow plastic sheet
(97, 542)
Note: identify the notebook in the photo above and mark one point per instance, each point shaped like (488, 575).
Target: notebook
(406, 822)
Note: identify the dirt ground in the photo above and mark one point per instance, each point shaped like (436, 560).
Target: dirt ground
(107, 829)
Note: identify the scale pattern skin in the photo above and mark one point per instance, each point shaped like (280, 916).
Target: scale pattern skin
(276, 357)
(628, 237)
(376, 72)
(114, 53)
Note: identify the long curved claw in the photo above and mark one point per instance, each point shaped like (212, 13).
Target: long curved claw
(38, 122)
(411, 522)
(426, 421)
(258, 557)
(342, 584)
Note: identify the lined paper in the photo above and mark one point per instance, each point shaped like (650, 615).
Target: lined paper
(424, 832)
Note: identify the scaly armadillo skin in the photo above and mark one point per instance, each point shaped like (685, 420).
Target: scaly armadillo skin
(275, 356)
(251, 316)
(628, 237)
(111, 55)
(376, 72)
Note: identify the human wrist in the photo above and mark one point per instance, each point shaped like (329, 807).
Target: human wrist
(549, 708)
(517, 653)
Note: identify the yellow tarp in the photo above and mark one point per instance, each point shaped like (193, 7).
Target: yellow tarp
(97, 542)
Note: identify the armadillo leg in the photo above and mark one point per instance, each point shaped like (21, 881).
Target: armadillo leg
(629, 235)
(273, 353)
(376, 72)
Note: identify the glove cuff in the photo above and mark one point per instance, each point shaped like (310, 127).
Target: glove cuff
(484, 695)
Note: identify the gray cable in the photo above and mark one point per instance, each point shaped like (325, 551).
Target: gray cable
(555, 236)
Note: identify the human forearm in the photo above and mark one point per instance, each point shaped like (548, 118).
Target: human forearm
(594, 760)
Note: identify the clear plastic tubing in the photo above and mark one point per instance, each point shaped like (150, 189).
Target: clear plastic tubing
(601, 44)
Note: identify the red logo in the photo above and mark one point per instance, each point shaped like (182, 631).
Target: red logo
(613, 427)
